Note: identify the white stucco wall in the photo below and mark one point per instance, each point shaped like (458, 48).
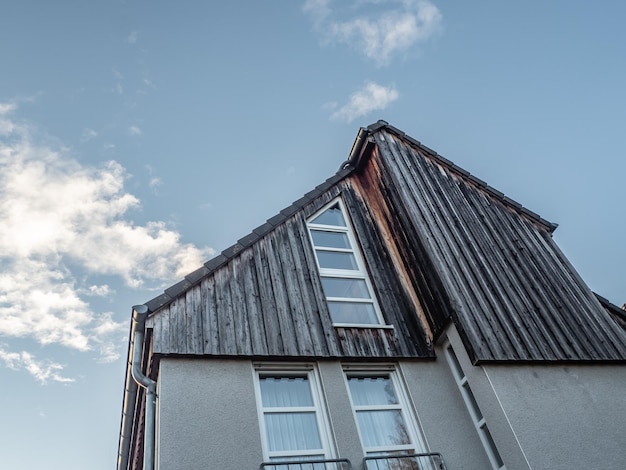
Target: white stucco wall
(207, 414)
(552, 416)
(565, 416)
(445, 421)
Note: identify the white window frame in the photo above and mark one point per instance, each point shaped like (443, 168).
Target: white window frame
(418, 443)
(359, 273)
(472, 407)
(323, 424)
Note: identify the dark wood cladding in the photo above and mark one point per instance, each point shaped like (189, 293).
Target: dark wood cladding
(511, 292)
(267, 301)
(438, 244)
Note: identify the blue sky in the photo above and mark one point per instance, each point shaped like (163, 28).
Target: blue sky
(139, 138)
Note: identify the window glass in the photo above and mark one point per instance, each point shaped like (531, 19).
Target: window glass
(474, 410)
(345, 287)
(372, 391)
(324, 238)
(292, 421)
(386, 425)
(382, 428)
(472, 402)
(345, 282)
(292, 431)
(285, 391)
(352, 312)
(336, 260)
(331, 216)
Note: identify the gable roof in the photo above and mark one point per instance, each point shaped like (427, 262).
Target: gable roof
(468, 251)
(440, 245)
(357, 158)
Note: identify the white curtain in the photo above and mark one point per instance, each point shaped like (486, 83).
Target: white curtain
(289, 430)
(379, 428)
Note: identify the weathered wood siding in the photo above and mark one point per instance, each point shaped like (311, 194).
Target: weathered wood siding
(268, 301)
(438, 244)
(509, 289)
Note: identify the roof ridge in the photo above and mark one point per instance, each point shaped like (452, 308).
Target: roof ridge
(361, 145)
(383, 125)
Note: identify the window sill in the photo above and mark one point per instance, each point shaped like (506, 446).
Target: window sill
(362, 325)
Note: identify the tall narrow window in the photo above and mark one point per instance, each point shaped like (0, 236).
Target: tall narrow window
(386, 425)
(348, 291)
(474, 410)
(293, 426)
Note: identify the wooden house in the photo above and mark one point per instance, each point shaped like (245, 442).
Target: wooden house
(401, 315)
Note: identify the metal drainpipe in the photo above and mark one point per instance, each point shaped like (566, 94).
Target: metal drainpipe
(140, 312)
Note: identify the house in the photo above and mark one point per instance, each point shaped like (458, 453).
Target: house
(401, 315)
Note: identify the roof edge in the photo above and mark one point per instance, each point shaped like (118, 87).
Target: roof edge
(213, 264)
(360, 152)
(608, 305)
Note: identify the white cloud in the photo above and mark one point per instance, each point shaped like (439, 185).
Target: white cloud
(132, 37)
(371, 97)
(63, 222)
(135, 130)
(42, 371)
(6, 108)
(118, 87)
(154, 181)
(99, 291)
(390, 28)
(88, 134)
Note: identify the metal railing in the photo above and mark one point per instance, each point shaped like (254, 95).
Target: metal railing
(308, 464)
(424, 461)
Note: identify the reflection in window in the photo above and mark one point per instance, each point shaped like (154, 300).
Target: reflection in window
(382, 415)
(344, 278)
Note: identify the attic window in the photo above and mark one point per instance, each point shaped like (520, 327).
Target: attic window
(348, 291)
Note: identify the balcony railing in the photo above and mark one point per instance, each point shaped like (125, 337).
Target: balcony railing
(425, 461)
(309, 464)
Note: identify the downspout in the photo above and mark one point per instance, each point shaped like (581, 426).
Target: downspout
(140, 312)
(135, 377)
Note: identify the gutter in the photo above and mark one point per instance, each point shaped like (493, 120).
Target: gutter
(135, 378)
(362, 147)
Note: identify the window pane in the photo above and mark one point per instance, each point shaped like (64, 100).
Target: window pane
(350, 312)
(330, 239)
(372, 391)
(382, 428)
(492, 447)
(292, 431)
(331, 216)
(285, 391)
(336, 260)
(455, 363)
(473, 405)
(343, 287)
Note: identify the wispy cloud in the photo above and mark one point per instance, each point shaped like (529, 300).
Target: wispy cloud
(154, 181)
(132, 37)
(388, 29)
(371, 97)
(88, 134)
(118, 87)
(135, 130)
(42, 371)
(98, 291)
(6, 108)
(63, 222)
